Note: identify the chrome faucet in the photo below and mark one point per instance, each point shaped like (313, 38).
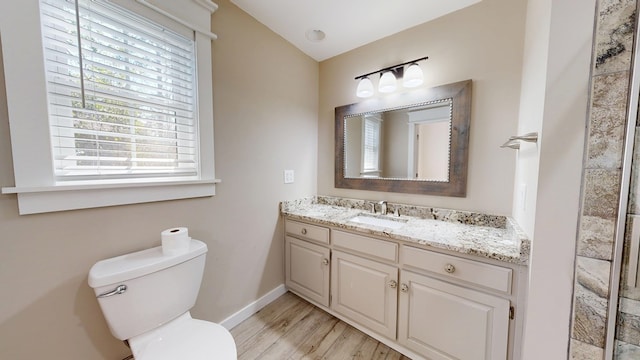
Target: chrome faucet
(383, 207)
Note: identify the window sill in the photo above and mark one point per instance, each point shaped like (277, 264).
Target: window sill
(34, 200)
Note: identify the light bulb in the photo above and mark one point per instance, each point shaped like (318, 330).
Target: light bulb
(413, 76)
(365, 88)
(387, 82)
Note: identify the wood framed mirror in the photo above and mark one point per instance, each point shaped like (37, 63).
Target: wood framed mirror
(416, 142)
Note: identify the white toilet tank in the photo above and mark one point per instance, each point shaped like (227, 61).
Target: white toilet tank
(159, 288)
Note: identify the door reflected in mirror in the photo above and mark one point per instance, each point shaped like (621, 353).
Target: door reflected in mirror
(407, 143)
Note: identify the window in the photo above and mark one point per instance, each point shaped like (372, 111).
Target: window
(121, 93)
(371, 143)
(119, 102)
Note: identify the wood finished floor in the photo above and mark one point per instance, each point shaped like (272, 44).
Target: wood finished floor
(292, 328)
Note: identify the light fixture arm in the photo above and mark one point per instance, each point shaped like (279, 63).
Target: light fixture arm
(391, 68)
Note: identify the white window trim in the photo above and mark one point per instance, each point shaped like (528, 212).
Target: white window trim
(35, 184)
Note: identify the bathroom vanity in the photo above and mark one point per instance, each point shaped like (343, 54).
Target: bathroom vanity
(430, 283)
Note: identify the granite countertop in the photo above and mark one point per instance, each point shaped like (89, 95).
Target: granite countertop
(491, 236)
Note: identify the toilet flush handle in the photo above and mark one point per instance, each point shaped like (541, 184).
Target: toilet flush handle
(117, 291)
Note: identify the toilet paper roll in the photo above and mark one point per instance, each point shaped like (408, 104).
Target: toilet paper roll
(175, 241)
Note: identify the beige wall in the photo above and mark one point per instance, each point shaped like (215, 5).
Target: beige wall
(265, 99)
(484, 43)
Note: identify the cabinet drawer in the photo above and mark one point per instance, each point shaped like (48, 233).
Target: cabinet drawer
(373, 247)
(307, 231)
(489, 276)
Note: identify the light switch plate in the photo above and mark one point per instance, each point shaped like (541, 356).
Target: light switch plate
(288, 176)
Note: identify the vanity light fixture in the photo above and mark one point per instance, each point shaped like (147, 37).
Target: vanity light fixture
(365, 88)
(389, 76)
(388, 82)
(413, 77)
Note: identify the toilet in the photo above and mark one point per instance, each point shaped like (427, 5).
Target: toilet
(146, 296)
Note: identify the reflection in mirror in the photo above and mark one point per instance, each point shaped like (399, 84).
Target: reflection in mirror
(406, 143)
(415, 142)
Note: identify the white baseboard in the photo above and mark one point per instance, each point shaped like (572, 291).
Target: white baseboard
(246, 312)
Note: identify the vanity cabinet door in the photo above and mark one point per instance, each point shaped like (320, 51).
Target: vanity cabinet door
(365, 291)
(307, 269)
(445, 321)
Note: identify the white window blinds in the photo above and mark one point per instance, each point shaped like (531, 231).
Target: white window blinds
(121, 93)
(371, 144)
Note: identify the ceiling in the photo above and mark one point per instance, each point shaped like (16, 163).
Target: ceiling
(347, 24)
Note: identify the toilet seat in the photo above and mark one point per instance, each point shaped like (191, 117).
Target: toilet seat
(185, 338)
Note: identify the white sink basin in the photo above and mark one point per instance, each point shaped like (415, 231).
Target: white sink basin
(376, 221)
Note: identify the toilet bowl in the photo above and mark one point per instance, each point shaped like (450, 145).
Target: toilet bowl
(146, 297)
(184, 338)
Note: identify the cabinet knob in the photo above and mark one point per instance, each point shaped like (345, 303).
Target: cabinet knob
(304, 231)
(404, 287)
(449, 268)
(325, 261)
(393, 284)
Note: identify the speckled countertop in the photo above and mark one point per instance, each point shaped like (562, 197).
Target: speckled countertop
(490, 236)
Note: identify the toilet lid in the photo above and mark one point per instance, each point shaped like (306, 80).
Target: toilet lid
(185, 338)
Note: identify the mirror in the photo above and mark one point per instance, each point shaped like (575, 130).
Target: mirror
(405, 143)
(413, 143)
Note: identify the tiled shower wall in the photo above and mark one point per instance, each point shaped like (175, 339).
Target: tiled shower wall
(615, 29)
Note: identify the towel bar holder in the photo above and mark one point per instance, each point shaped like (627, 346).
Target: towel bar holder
(514, 141)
